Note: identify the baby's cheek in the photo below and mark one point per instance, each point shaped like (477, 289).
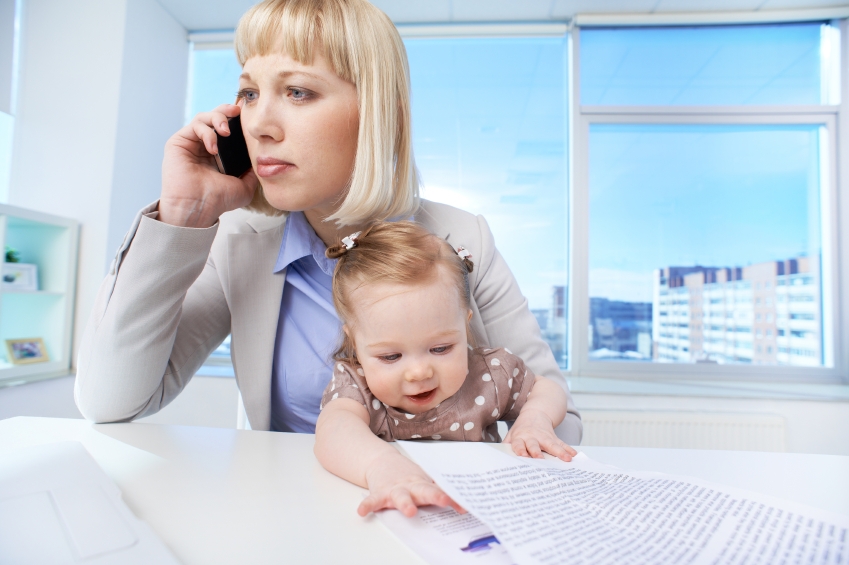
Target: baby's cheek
(458, 372)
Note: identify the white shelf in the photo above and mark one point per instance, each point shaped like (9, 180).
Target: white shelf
(51, 243)
(33, 292)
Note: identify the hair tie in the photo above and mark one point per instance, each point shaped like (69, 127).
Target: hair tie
(350, 241)
(463, 253)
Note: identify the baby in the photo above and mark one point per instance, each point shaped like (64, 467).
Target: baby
(407, 369)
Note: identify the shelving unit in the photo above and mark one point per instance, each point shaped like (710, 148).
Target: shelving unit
(51, 242)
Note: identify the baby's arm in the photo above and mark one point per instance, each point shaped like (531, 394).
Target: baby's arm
(533, 431)
(346, 447)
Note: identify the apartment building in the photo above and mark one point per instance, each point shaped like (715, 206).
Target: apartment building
(765, 314)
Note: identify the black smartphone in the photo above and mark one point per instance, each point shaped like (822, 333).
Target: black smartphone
(233, 158)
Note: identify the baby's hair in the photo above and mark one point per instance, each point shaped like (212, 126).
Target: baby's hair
(393, 252)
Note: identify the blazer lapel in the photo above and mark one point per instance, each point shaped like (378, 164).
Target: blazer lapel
(255, 296)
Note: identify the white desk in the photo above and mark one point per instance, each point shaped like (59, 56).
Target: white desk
(227, 496)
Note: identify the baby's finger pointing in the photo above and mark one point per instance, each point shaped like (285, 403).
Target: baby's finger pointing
(534, 449)
(519, 449)
(402, 500)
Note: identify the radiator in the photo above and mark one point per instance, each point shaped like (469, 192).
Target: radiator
(688, 430)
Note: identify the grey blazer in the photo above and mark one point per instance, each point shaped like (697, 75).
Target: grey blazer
(173, 294)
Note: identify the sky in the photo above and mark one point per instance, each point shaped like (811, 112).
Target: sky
(489, 133)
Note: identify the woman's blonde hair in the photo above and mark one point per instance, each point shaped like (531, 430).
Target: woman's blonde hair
(363, 47)
(402, 253)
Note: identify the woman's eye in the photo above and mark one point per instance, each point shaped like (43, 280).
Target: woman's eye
(441, 349)
(299, 94)
(390, 358)
(247, 95)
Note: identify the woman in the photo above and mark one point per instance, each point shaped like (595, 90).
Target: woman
(324, 104)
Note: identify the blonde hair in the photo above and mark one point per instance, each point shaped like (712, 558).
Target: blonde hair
(363, 47)
(393, 252)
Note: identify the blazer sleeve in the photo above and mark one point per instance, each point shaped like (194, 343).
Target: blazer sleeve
(158, 314)
(509, 323)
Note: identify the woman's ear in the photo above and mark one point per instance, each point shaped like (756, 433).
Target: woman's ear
(469, 317)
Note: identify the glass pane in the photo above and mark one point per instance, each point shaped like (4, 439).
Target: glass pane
(489, 136)
(705, 244)
(730, 65)
(214, 80)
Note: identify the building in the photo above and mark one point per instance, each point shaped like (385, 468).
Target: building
(765, 314)
(552, 324)
(618, 327)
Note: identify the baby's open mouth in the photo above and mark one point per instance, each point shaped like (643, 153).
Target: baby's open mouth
(422, 397)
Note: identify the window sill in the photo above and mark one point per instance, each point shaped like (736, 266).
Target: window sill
(708, 389)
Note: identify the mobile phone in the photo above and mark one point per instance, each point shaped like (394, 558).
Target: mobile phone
(232, 158)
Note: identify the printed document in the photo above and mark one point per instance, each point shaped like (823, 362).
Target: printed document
(584, 512)
(443, 537)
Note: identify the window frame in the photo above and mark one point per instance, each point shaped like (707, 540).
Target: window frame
(835, 241)
(835, 118)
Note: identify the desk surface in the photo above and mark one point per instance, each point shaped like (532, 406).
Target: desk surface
(226, 496)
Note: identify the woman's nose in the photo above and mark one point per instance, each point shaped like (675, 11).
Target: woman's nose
(264, 121)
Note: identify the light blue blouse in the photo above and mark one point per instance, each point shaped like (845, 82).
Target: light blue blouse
(307, 329)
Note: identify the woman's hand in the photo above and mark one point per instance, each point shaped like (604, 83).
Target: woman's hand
(194, 193)
(396, 482)
(533, 433)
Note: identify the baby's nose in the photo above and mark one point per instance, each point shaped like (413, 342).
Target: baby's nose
(419, 372)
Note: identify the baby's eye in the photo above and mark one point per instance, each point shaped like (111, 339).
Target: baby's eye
(247, 95)
(390, 358)
(441, 349)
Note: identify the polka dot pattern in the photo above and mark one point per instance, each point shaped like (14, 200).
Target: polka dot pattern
(496, 389)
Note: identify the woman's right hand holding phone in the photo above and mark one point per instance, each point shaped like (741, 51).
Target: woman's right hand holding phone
(194, 193)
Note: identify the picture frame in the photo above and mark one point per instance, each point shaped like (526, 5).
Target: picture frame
(20, 276)
(25, 351)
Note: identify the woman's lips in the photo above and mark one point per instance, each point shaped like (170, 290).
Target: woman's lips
(270, 167)
(423, 397)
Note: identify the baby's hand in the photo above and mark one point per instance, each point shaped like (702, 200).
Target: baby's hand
(533, 433)
(396, 482)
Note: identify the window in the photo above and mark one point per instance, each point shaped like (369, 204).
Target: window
(213, 79)
(489, 135)
(709, 65)
(697, 216)
(703, 176)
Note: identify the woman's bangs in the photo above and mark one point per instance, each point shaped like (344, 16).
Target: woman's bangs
(293, 28)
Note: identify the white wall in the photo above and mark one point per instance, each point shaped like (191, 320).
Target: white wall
(7, 49)
(101, 84)
(153, 93)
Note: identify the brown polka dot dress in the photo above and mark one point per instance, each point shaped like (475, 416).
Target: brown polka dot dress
(496, 388)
